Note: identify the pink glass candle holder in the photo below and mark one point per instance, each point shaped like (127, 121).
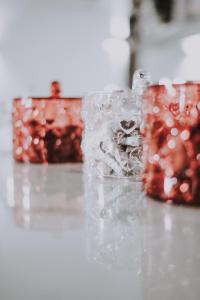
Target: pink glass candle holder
(47, 130)
(172, 143)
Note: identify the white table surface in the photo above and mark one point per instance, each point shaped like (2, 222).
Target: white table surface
(65, 237)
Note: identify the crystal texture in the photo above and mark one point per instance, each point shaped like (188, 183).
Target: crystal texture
(172, 143)
(112, 143)
(47, 130)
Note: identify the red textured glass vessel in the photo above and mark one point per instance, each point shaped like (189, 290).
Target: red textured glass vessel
(47, 130)
(172, 143)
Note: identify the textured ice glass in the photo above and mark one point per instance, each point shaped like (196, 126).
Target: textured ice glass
(47, 130)
(172, 143)
(112, 142)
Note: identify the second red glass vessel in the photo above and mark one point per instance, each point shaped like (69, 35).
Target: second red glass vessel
(172, 143)
(47, 129)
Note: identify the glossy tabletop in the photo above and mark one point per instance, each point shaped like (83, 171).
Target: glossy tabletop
(64, 236)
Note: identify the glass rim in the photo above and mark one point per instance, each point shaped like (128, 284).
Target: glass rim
(99, 92)
(186, 83)
(78, 99)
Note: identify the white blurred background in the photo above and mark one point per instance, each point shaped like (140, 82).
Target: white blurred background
(86, 45)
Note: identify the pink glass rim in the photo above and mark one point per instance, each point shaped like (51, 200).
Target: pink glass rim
(157, 86)
(78, 99)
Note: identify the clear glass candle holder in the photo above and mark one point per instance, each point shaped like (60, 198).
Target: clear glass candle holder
(172, 143)
(47, 130)
(112, 143)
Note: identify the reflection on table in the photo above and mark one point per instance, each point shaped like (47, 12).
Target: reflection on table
(114, 226)
(172, 259)
(120, 232)
(45, 197)
(157, 242)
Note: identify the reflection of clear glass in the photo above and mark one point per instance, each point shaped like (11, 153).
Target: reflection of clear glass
(41, 201)
(47, 130)
(172, 142)
(114, 226)
(113, 200)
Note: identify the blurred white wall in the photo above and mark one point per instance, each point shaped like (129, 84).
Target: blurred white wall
(170, 49)
(45, 40)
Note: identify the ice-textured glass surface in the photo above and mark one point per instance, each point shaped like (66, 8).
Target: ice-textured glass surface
(112, 142)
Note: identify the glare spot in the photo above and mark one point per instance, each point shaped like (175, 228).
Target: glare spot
(156, 109)
(167, 82)
(156, 157)
(169, 201)
(169, 122)
(198, 156)
(58, 142)
(25, 146)
(174, 180)
(10, 191)
(169, 173)
(172, 144)
(168, 184)
(18, 123)
(184, 187)
(35, 113)
(36, 141)
(168, 222)
(178, 80)
(27, 102)
(194, 113)
(19, 150)
(174, 131)
(27, 142)
(189, 172)
(182, 98)
(185, 135)
(151, 160)
(26, 197)
(29, 139)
